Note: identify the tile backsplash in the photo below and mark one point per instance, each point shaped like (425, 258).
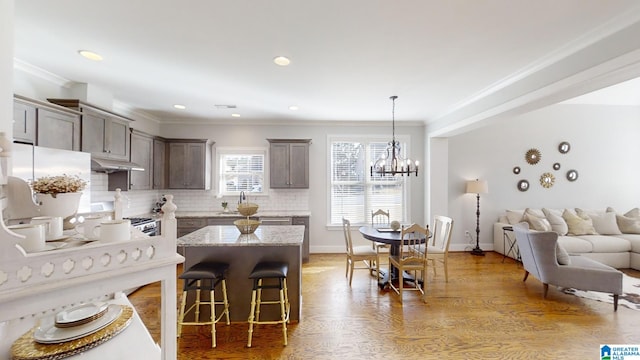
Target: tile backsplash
(141, 202)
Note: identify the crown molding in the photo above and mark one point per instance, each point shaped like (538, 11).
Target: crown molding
(41, 73)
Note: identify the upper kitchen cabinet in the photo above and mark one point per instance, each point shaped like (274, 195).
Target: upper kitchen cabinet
(189, 164)
(44, 124)
(289, 163)
(104, 133)
(159, 163)
(141, 154)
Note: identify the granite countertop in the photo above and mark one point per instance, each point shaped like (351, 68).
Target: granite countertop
(270, 213)
(228, 235)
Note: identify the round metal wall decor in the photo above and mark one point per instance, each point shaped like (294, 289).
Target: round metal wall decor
(516, 170)
(533, 156)
(547, 180)
(523, 185)
(572, 175)
(564, 147)
(556, 166)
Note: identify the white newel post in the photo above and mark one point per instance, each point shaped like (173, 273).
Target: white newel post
(117, 205)
(168, 286)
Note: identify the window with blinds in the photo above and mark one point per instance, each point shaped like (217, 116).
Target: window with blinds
(354, 192)
(241, 170)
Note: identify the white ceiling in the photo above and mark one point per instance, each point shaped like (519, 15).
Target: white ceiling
(347, 56)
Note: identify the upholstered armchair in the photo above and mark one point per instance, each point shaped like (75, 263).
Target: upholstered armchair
(543, 258)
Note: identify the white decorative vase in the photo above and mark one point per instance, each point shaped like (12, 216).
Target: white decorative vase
(64, 205)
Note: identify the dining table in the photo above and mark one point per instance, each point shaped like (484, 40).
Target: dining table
(392, 237)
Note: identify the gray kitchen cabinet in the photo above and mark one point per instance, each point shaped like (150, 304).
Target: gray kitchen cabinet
(186, 225)
(104, 133)
(289, 163)
(226, 220)
(58, 130)
(189, 164)
(303, 220)
(159, 163)
(24, 122)
(45, 124)
(141, 154)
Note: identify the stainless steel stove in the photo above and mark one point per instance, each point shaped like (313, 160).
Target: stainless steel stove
(148, 226)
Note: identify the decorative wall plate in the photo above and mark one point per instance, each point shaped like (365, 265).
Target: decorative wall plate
(533, 156)
(556, 166)
(516, 170)
(564, 147)
(523, 185)
(547, 180)
(572, 175)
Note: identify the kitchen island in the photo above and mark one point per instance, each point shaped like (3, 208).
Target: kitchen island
(242, 251)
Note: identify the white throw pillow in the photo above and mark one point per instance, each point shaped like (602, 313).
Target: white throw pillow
(604, 222)
(578, 225)
(562, 256)
(514, 216)
(627, 224)
(537, 223)
(557, 222)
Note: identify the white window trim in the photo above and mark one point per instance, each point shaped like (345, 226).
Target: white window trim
(220, 151)
(403, 139)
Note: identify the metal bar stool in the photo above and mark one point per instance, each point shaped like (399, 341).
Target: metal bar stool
(214, 272)
(261, 272)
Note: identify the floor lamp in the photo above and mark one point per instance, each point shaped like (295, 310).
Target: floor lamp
(477, 187)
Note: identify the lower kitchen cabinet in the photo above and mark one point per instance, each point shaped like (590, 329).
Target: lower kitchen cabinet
(303, 220)
(188, 225)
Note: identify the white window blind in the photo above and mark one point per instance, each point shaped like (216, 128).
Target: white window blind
(354, 192)
(241, 170)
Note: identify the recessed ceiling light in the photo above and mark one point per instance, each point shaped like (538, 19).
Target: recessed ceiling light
(293, 107)
(235, 115)
(179, 106)
(281, 60)
(90, 55)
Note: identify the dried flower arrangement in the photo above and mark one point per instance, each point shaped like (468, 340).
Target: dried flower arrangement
(58, 184)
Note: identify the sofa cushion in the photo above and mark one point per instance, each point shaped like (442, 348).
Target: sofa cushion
(557, 222)
(561, 255)
(607, 243)
(627, 224)
(603, 222)
(575, 245)
(537, 223)
(634, 240)
(577, 224)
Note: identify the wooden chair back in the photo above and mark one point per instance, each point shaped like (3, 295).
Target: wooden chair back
(380, 217)
(412, 249)
(346, 228)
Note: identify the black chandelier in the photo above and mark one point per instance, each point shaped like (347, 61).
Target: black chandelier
(391, 161)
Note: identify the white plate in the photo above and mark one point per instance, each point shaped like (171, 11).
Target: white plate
(80, 313)
(53, 246)
(50, 334)
(57, 238)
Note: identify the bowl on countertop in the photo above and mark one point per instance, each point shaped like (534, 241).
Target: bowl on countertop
(247, 209)
(246, 226)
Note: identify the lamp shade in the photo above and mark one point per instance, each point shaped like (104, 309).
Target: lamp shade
(477, 187)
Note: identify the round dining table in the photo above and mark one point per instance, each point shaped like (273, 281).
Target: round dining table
(393, 238)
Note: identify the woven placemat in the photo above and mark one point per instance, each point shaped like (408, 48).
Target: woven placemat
(26, 348)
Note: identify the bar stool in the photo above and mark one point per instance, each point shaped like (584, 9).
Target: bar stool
(269, 270)
(214, 272)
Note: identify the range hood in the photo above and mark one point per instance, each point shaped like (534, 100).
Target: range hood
(111, 165)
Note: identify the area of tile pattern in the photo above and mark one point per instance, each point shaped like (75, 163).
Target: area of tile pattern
(484, 312)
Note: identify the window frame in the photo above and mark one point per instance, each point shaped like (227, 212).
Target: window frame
(223, 151)
(366, 140)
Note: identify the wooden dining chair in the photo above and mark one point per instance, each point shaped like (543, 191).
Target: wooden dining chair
(438, 244)
(380, 218)
(358, 253)
(412, 258)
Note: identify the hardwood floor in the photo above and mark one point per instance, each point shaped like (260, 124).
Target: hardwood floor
(484, 312)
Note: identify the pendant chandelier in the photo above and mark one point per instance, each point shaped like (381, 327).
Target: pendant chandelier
(391, 161)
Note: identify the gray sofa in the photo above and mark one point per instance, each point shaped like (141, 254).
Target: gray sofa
(614, 239)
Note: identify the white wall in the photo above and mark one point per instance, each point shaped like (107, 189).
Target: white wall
(604, 150)
(322, 239)
(6, 66)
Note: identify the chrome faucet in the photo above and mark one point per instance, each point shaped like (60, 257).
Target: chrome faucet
(242, 197)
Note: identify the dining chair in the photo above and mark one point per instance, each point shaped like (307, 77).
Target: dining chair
(380, 218)
(438, 245)
(411, 258)
(358, 253)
